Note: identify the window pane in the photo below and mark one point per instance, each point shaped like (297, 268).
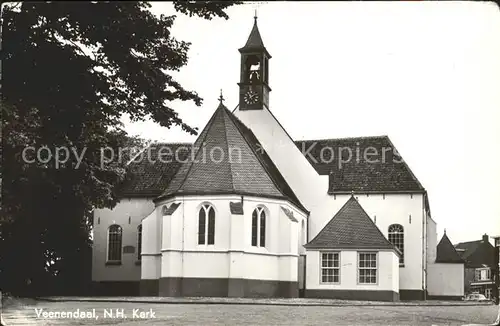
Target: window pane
(211, 226)
(262, 228)
(201, 226)
(254, 228)
(336, 260)
(139, 242)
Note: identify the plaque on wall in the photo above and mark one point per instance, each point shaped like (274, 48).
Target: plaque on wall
(128, 249)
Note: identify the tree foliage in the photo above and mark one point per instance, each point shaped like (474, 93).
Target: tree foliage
(71, 70)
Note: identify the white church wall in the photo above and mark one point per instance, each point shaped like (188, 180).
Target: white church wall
(151, 254)
(445, 280)
(232, 254)
(136, 209)
(431, 240)
(387, 274)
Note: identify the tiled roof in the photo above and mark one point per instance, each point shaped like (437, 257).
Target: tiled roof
(350, 228)
(360, 164)
(467, 248)
(254, 39)
(226, 160)
(446, 252)
(477, 253)
(150, 174)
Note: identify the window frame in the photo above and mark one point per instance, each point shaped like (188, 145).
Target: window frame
(321, 268)
(478, 272)
(398, 241)
(259, 210)
(108, 245)
(209, 224)
(358, 268)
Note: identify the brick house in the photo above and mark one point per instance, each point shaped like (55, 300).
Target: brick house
(479, 264)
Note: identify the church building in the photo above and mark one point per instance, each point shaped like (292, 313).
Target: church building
(246, 211)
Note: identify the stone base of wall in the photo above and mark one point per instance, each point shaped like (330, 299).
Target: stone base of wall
(223, 287)
(409, 295)
(445, 297)
(369, 295)
(115, 288)
(149, 288)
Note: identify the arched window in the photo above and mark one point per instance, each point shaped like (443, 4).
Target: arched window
(396, 237)
(206, 225)
(259, 227)
(139, 241)
(115, 243)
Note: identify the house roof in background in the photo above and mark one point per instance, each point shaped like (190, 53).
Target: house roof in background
(477, 253)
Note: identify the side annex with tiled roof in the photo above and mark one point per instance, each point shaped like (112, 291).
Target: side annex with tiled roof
(351, 259)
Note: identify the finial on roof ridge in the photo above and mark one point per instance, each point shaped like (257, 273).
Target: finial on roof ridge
(221, 98)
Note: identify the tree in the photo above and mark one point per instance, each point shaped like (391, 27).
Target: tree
(70, 71)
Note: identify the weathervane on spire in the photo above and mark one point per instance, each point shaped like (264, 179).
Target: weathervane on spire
(221, 98)
(255, 17)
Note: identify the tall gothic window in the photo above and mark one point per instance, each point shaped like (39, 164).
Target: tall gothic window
(396, 237)
(206, 225)
(115, 243)
(139, 241)
(259, 227)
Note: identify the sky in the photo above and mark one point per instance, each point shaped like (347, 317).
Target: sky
(427, 74)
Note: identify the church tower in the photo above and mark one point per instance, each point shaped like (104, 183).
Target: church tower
(254, 77)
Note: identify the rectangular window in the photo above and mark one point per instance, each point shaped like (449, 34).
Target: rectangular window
(482, 274)
(330, 267)
(367, 268)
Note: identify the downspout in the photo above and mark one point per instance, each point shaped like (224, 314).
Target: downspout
(305, 256)
(424, 244)
(182, 241)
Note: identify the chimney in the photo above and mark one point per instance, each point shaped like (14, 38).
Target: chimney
(486, 238)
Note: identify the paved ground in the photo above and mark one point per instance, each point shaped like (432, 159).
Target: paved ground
(242, 314)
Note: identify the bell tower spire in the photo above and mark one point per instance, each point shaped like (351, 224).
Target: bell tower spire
(254, 79)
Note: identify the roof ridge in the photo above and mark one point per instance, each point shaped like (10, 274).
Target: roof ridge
(227, 146)
(174, 143)
(344, 138)
(468, 242)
